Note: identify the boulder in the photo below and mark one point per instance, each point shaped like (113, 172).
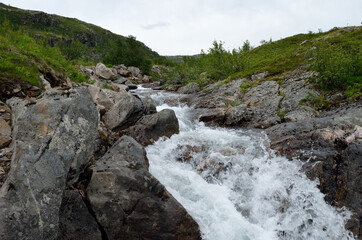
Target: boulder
(129, 203)
(125, 73)
(258, 76)
(234, 115)
(75, 221)
(120, 112)
(146, 79)
(54, 138)
(5, 133)
(134, 70)
(190, 88)
(150, 128)
(104, 73)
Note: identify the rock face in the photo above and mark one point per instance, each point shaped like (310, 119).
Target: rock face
(75, 219)
(151, 127)
(262, 102)
(129, 203)
(54, 139)
(190, 88)
(331, 147)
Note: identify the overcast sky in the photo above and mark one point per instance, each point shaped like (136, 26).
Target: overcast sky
(173, 27)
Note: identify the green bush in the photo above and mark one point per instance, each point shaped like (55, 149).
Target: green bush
(338, 67)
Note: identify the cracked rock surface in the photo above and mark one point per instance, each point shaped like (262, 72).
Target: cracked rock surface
(53, 139)
(129, 203)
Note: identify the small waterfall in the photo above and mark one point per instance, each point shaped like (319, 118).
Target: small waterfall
(235, 186)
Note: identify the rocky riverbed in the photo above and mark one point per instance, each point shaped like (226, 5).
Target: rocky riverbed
(328, 141)
(68, 171)
(73, 164)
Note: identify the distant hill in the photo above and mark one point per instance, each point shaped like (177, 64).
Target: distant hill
(34, 43)
(57, 29)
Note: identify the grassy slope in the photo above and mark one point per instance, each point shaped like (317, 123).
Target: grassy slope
(32, 42)
(340, 46)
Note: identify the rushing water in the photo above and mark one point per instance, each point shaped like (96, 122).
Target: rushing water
(235, 187)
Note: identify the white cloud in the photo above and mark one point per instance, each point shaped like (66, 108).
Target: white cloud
(173, 27)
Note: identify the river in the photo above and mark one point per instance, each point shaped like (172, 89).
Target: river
(235, 186)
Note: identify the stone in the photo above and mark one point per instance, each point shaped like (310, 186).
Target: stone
(190, 88)
(235, 115)
(262, 104)
(150, 128)
(258, 76)
(324, 144)
(129, 203)
(120, 112)
(146, 79)
(134, 70)
(120, 80)
(125, 73)
(54, 138)
(75, 220)
(5, 133)
(104, 73)
(299, 114)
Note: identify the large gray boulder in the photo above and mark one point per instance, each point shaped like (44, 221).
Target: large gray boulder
(129, 203)
(54, 138)
(120, 112)
(151, 127)
(104, 73)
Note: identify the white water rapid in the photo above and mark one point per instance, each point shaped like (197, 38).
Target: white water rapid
(236, 188)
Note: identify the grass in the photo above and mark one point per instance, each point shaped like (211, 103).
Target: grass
(23, 57)
(335, 54)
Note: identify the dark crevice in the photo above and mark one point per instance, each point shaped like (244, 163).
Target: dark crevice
(89, 206)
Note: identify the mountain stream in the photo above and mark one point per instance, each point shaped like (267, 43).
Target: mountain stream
(235, 186)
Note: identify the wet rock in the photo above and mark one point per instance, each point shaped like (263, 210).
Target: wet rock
(330, 146)
(104, 73)
(75, 220)
(129, 203)
(151, 127)
(190, 88)
(54, 139)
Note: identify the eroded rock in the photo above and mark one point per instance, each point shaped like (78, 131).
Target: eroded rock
(151, 127)
(54, 139)
(129, 203)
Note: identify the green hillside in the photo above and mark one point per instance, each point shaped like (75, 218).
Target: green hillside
(335, 54)
(32, 42)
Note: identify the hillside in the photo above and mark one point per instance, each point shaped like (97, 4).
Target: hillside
(33, 42)
(336, 55)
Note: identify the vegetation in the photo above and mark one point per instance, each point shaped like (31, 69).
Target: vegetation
(22, 57)
(335, 55)
(32, 41)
